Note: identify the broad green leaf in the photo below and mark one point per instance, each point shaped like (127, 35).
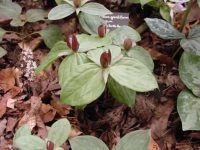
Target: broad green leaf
(69, 2)
(9, 9)
(189, 71)
(22, 131)
(59, 132)
(67, 65)
(188, 107)
(61, 11)
(58, 50)
(198, 1)
(2, 52)
(95, 55)
(86, 142)
(120, 34)
(136, 140)
(34, 15)
(30, 142)
(90, 23)
(134, 1)
(133, 75)
(121, 93)
(140, 54)
(192, 42)
(143, 2)
(165, 12)
(95, 9)
(17, 22)
(88, 42)
(163, 29)
(51, 35)
(2, 32)
(84, 86)
(58, 148)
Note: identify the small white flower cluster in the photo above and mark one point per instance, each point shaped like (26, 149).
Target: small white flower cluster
(28, 63)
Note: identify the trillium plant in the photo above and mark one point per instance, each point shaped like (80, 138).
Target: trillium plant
(93, 63)
(59, 133)
(89, 13)
(188, 100)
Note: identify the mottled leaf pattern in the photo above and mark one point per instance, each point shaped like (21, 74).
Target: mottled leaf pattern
(163, 29)
(189, 71)
(188, 107)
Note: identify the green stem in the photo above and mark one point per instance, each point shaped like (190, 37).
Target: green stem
(183, 22)
(142, 28)
(176, 52)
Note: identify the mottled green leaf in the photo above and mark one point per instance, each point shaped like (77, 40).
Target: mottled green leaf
(95, 9)
(58, 50)
(95, 55)
(9, 9)
(140, 54)
(90, 23)
(2, 52)
(192, 42)
(188, 107)
(120, 34)
(86, 142)
(189, 71)
(88, 42)
(17, 22)
(163, 29)
(136, 140)
(59, 132)
(61, 11)
(85, 85)
(133, 75)
(22, 131)
(67, 65)
(121, 93)
(51, 35)
(34, 15)
(30, 142)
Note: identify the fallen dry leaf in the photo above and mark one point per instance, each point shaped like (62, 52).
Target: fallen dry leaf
(47, 113)
(3, 104)
(30, 116)
(11, 124)
(2, 126)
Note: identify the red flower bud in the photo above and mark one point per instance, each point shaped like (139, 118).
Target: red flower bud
(50, 145)
(102, 30)
(127, 43)
(77, 3)
(105, 59)
(72, 42)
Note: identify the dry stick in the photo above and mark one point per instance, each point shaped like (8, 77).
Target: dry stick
(183, 22)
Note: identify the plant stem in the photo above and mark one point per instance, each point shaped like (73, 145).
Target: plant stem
(186, 13)
(183, 22)
(176, 52)
(142, 28)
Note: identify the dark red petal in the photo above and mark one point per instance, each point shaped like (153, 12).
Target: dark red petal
(127, 43)
(72, 42)
(102, 30)
(77, 3)
(50, 145)
(105, 59)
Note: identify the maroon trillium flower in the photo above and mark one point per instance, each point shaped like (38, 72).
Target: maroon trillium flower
(128, 44)
(50, 145)
(77, 3)
(105, 59)
(102, 30)
(72, 42)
